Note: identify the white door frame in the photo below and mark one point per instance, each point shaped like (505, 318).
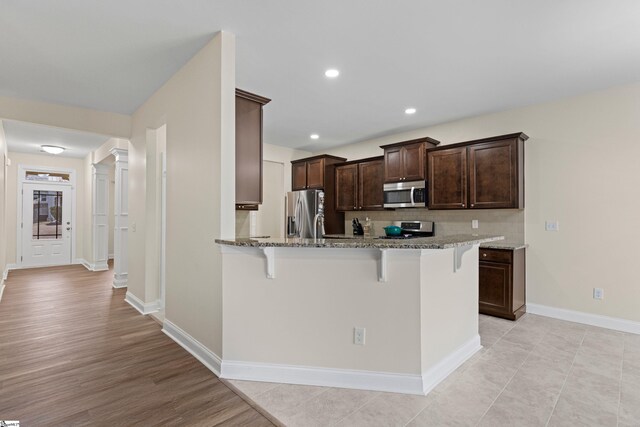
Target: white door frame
(22, 179)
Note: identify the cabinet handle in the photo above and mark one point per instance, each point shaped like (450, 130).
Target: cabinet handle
(484, 255)
(471, 204)
(463, 205)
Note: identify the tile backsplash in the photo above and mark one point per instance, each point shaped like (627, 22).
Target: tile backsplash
(506, 222)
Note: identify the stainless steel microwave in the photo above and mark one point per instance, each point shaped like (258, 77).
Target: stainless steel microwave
(411, 194)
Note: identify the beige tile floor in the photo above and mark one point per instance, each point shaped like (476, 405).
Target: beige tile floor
(534, 372)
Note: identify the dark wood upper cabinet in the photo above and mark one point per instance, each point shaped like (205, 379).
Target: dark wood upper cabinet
(493, 175)
(481, 174)
(370, 183)
(318, 172)
(315, 174)
(405, 161)
(310, 173)
(249, 149)
(359, 185)
(447, 181)
(393, 170)
(346, 187)
(299, 176)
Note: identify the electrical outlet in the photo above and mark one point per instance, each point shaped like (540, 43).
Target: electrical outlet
(552, 225)
(474, 223)
(358, 335)
(598, 293)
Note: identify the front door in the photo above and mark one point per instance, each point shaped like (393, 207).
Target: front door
(46, 225)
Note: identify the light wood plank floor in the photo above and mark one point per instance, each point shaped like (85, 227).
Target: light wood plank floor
(72, 352)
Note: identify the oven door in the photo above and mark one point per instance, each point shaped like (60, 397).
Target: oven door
(405, 195)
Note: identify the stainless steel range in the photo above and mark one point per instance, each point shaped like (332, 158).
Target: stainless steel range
(413, 229)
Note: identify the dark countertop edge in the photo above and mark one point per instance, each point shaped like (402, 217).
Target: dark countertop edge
(504, 245)
(361, 243)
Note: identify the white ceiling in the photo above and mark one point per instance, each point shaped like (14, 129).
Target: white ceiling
(28, 138)
(448, 59)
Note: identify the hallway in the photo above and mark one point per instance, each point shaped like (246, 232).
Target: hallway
(72, 352)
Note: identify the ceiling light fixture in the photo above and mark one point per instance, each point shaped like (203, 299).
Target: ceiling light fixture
(314, 136)
(332, 73)
(410, 111)
(52, 149)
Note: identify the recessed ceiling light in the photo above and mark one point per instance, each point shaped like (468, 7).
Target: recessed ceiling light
(314, 136)
(410, 111)
(332, 73)
(52, 149)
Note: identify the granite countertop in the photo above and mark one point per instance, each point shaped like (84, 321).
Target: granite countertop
(504, 244)
(437, 242)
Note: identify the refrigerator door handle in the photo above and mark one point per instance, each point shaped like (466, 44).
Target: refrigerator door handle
(299, 220)
(315, 226)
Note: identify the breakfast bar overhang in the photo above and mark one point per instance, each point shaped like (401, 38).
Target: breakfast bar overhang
(291, 307)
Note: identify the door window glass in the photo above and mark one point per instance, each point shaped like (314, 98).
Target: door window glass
(47, 215)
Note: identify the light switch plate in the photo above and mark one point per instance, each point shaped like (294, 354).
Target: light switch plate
(552, 225)
(474, 223)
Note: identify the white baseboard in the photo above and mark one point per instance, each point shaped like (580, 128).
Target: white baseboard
(193, 346)
(1, 289)
(308, 375)
(120, 280)
(607, 322)
(445, 367)
(91, 266)
(348, 378)
(143, 307)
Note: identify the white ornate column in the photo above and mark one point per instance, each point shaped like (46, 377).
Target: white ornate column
(121, 211)
(100, 216)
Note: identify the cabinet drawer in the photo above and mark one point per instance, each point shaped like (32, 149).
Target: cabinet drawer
(496, 255)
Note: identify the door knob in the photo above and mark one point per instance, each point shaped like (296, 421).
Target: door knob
(68, 228)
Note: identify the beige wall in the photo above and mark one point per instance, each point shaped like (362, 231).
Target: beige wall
(82, 227)
(310, 322)
(3, 202)
(83, 119)
(580, 169)
(197, 105)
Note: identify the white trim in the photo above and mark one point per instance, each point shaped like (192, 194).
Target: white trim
(607, 322)
(207, 357)
(308, 375)
(111, 256)
(89, 266)
(2, 286)
(445, 367)
(120, 281)
(349, 378)
(143, 307)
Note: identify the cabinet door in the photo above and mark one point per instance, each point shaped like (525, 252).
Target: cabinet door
(299, 176)
(493, 175)
(495, 288)
(447, 178)
(370, 183)
(393, 164)
(346, 187)
(248, 151)
(315, 173)
(413, 162)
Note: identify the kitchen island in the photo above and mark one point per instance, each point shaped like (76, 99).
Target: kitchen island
(294, 310)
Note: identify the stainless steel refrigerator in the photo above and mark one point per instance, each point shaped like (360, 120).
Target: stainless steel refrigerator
(305, 214)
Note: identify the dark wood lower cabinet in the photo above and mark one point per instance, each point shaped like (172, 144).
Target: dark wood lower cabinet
(502, 283)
